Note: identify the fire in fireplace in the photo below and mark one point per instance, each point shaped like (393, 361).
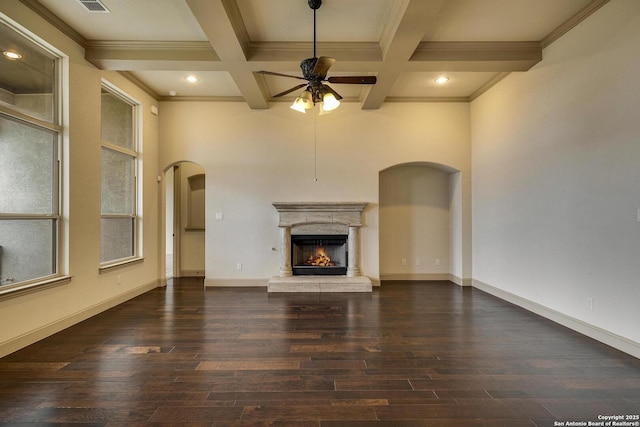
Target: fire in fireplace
(319, 255)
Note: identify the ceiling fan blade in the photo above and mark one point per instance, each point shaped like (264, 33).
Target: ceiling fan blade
(353, 80)
(329, 89)
(290, 90)
(271, 73)
(322, 65)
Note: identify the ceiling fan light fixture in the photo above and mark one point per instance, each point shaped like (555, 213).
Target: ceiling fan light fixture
(303, 102)
(314, 71)
(306, 98)
(329, 102)
(298, 106)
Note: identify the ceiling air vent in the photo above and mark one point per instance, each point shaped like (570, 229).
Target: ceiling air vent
(94, 6)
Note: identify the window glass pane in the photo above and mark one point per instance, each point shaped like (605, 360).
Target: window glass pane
(117, 121)
(26, 82)
(117, 182)
(117, 239)
(27, 249)
(27, 168)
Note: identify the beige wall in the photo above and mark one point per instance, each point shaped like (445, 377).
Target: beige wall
(556, 191)
(414, 223)
(253, 158)
(26, 318)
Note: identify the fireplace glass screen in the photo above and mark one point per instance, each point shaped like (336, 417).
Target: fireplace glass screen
(319, 255)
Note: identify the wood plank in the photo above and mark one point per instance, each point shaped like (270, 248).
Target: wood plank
(410, 354)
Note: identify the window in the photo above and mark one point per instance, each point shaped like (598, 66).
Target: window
(120, 167)
(30, 142)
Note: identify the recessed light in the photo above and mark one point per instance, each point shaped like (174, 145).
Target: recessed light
(441, 80)
(11, 54)
(192, 79)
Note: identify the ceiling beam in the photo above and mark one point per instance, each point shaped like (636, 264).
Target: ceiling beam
(477, 56)
(404, 31)
(132, 55)
(222, 24)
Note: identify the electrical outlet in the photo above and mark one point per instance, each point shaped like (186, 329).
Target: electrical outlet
(119, 279)
(404, 261)
(437, 261)
(239, 266)
(418, 262)
(590, 303)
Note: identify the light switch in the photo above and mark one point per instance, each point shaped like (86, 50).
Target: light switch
(218, 216)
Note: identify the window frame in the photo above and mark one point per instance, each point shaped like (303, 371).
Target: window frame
(136, 155)
(59, 135)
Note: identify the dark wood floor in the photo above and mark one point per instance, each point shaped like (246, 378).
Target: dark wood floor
(420, 354)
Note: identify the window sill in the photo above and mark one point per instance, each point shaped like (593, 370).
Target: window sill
(28, 288)
(119, 264)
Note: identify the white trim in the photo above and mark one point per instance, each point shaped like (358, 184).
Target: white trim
(591, 331)
(191, 273)
(415, 276)
(45, 331)
(460, 281)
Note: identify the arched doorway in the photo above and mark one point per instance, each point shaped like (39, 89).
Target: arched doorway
(184, 220)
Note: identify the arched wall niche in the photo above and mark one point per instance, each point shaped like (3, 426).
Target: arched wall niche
(420, 222)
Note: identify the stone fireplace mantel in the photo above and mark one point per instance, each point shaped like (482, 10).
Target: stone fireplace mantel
(326, 218)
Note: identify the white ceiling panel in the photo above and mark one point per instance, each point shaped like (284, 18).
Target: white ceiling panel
(423, 85)
(336, 20)
(500, 20)
(131, 20)
(213, 83)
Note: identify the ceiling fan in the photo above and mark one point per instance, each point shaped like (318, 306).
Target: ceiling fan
(314, 71)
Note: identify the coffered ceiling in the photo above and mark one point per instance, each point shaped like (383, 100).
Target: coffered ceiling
(407, 44)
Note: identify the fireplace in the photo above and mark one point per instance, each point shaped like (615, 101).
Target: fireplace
(319, 255)
(319, 248)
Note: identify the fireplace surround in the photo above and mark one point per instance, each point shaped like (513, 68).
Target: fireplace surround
(305, 220)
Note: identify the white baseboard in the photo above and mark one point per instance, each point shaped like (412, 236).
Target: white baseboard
(191, 273)
(415, 276)
(36, 335)
(616, 341)
(460, 281)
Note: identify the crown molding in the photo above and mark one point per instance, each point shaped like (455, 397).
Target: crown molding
(136, 81)
(488, 85)
(423, 99)
(149, 45)
(294, 51)
(566, 26)
(202, 99)
(52, 19)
